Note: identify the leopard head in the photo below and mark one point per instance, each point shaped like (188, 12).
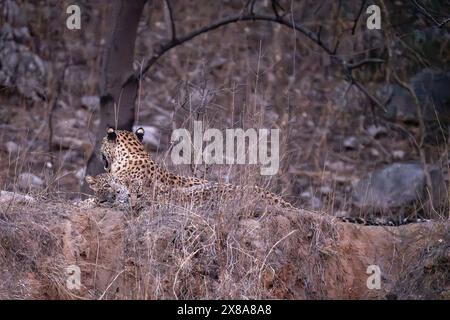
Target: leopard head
(119, 147)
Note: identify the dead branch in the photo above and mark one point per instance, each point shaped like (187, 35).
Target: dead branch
(275, 6)
(355, 22)
(428, 15)
(358, 64)
(314, 37)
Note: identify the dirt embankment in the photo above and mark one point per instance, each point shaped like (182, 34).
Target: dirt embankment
(169, 252)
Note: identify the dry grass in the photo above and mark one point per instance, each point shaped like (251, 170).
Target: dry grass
(235, 252)
(429, 277)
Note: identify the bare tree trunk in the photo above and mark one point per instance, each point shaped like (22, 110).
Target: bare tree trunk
(117, 103)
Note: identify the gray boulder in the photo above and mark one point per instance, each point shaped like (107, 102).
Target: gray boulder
(400, 185)
(401, 106)
(27, 180)
(20, 68)
(432, 90)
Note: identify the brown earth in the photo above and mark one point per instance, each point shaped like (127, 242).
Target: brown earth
(169, 252)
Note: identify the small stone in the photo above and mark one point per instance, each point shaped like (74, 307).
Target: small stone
(91, 102)
(335, 166)
(341, 214)
(351, 143)
(69, 143)
(374, 152)
(398, 154)
(81, 114)
(11, 147)
(62, 104)
(7, 196)
(28, 180)
(325, 190)
(316, 203)
(376, 131)
(305, 195)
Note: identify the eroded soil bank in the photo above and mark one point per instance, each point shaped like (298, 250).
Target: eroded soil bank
(169, 252)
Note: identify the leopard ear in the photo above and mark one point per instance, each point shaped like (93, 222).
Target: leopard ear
(111, 133)
(140, 133)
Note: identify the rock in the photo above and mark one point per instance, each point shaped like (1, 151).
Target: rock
(351, 143)
(325, 190)
(401, 106)
(14, 14)
(20, 68)
(22, 35)
(305, 195)
(152, 136)
(69, 143)
(339, 166)
(376, 131)
(28, 180)
(399, 185)
(374, 152)
(315, 203)
(6, 196)
(71, 156)
(11, 147)
(91, 102)
(82, 116)
(398, 154)
(431, 88)
(341, 213)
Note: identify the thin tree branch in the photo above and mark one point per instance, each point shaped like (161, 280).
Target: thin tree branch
(275, 6)
(428, 15)
(223, 22)
(355, 23)
(368, 95)
(348, 67)
(358, 64)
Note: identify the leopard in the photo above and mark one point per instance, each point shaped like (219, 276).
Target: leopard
(132, 174)
(130, 167)
(107, 189)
